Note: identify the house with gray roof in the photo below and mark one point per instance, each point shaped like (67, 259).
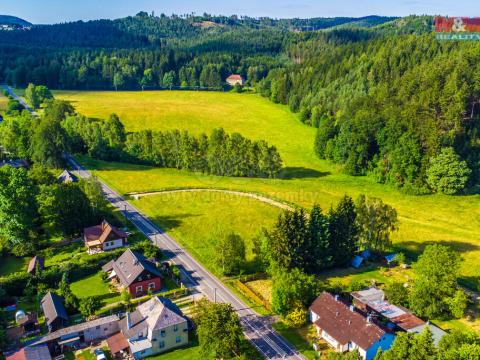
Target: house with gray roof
(132, 271)
(152, 329)
(67, 177)
(55, 314)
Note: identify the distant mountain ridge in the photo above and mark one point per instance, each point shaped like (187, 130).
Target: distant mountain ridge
(13, 20)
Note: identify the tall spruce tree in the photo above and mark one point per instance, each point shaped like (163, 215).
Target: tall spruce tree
(343, 231)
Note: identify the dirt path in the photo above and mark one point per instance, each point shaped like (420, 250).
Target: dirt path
(230, 192)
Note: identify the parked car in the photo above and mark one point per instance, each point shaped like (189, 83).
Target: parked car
(100, 355)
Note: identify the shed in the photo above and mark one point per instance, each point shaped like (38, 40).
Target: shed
(55, 314)
(35, 262)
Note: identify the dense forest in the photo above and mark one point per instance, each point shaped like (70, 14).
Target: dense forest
(388, 99)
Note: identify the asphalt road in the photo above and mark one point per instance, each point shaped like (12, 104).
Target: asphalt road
(256, 328)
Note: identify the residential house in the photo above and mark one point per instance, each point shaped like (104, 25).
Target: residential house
(346, 329)
(134, 272)
(39, 352)
(55, 314)
(34, 263)
(79, 335)
(372, 301)
(155, 327)
(104, 237)
(66, 177)
(235, 79)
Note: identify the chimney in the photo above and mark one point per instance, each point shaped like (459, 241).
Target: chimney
(369, 319)
(337, 313)
(129, 321)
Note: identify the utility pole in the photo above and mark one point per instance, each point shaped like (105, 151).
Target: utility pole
(214, 295)
(125, 213)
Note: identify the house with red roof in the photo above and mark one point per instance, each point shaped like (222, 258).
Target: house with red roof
(346, 329)
(235, 79)
(103, 237)
(134, 272)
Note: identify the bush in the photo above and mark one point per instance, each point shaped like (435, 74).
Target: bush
(297, 317)
(88, 306)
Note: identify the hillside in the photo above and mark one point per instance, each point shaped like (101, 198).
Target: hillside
(14, 21)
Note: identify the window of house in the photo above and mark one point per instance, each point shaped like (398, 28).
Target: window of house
(139, 289)
(151, 285)
(97, 327)
(161, 344)
(178, 339)
(162, 333)
(175, 327)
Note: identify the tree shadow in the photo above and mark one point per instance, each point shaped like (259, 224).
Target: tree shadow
(289, 173)
(168, 223)
(413, 249)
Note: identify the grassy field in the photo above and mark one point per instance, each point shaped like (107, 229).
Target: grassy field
(196, 220)
(305, 180)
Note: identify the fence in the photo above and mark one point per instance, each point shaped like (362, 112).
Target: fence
(251, 293)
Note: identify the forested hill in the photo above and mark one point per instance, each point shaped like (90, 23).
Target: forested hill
(13, 21)
(388, 98)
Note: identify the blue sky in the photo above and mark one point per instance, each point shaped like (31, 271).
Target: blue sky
(51, 11)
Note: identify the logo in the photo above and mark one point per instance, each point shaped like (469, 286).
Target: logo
(457, 28)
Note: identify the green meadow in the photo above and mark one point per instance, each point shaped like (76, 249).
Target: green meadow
(304, 181)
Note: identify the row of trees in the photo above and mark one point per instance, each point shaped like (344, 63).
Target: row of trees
(319, 241)
(45, 140)
(219, 154)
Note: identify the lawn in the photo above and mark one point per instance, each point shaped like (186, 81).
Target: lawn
(188, 353)
(301, 338)
(305, 180)
(94, 286)
(197, 220)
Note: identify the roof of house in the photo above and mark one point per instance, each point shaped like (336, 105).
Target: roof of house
(437, 333)
(368, 295)
(31, 353)
(103, 232)
(375, 299)
(130, 265)
(32, 265)
(76, 328)
(235, 77)
(344, 324)
(67, 177)
(117, 343)
(53, 308)
(153, 314)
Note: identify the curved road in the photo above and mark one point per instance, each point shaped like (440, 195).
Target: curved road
(261, 198)
(256, 328)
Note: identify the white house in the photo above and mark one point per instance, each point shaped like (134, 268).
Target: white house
(104, 237)
(345, 329)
